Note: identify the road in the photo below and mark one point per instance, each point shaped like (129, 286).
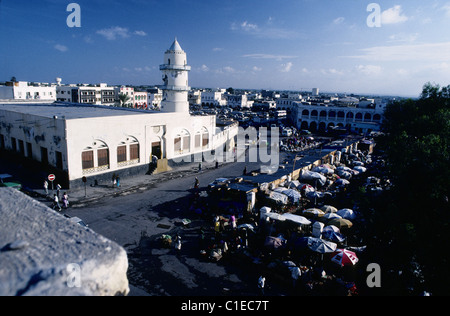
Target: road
(136, 221)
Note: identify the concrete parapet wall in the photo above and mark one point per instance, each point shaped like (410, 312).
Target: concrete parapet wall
(42, 253)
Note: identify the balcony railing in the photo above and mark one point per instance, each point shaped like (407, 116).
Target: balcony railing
(175, 67)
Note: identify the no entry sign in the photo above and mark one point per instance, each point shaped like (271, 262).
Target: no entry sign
(51, 177)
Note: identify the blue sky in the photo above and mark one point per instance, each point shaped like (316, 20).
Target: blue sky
(283, 44)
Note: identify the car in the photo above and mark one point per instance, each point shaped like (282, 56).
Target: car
(287, 132)
(7, 180)
(305, 132)
(218, 182)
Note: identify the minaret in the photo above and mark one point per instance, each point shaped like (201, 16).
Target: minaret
(175, 76)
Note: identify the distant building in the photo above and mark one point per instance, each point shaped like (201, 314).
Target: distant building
(315, 92)
(288, 102)
(322, 117)
(87, 94)
(140, 100)
(214, 98)
(195, 97)
(238, 101)
(154, 97)
(28, 91)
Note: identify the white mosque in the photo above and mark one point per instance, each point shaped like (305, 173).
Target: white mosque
(96, 141)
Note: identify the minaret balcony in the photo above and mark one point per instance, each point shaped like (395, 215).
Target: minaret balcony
(175, 67)
(175, 88)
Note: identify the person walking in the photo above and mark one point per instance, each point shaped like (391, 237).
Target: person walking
(56, 203)
(261, 285)
(197, 183)
(178, 242)
(65, 200)
(58, 190)
(46, 187)
(233, 222)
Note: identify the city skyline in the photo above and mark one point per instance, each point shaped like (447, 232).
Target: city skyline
(282, 45)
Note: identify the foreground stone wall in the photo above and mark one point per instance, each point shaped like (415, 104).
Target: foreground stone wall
(42, 253)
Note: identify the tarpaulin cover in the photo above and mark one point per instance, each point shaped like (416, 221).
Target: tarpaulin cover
(313, 176)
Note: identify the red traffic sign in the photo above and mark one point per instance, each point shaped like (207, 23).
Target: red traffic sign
(51, 177)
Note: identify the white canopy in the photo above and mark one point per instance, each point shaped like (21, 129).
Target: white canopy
(297, 219)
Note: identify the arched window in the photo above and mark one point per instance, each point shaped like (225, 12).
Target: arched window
(202, 139)
(182, 142)
(314, 113)
(359, 117)
(367, 117)
(350, 115)
(128, 152)
(305, 113)
(377, 117)
(205, 138)
(95, 157)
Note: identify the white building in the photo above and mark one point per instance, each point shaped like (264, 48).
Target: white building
(95, 142)
(195, 97)
(154, 97)
(238, 101)
(322, 117)
(288, 102)
(27, 91)
(87, 94)
(140, 100)
(315, 92)
(214, 98)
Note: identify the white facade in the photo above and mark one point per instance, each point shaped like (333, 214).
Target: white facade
(26, 91)
(154, 99)
(315, 92)
(238, 101)
(289, 102)
(140, 100)
(214, 98)
(321, 117)
(87, 94)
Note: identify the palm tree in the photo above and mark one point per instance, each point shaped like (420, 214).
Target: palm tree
(124, 98)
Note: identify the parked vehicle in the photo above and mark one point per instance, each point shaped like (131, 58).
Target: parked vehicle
(287, 132)
(218, 182)
(7, 180)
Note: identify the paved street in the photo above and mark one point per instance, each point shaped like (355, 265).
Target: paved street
(137, 218)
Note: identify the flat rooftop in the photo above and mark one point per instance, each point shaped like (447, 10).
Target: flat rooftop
(70, 111)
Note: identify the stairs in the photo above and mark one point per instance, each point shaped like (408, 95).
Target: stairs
(160, 167)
